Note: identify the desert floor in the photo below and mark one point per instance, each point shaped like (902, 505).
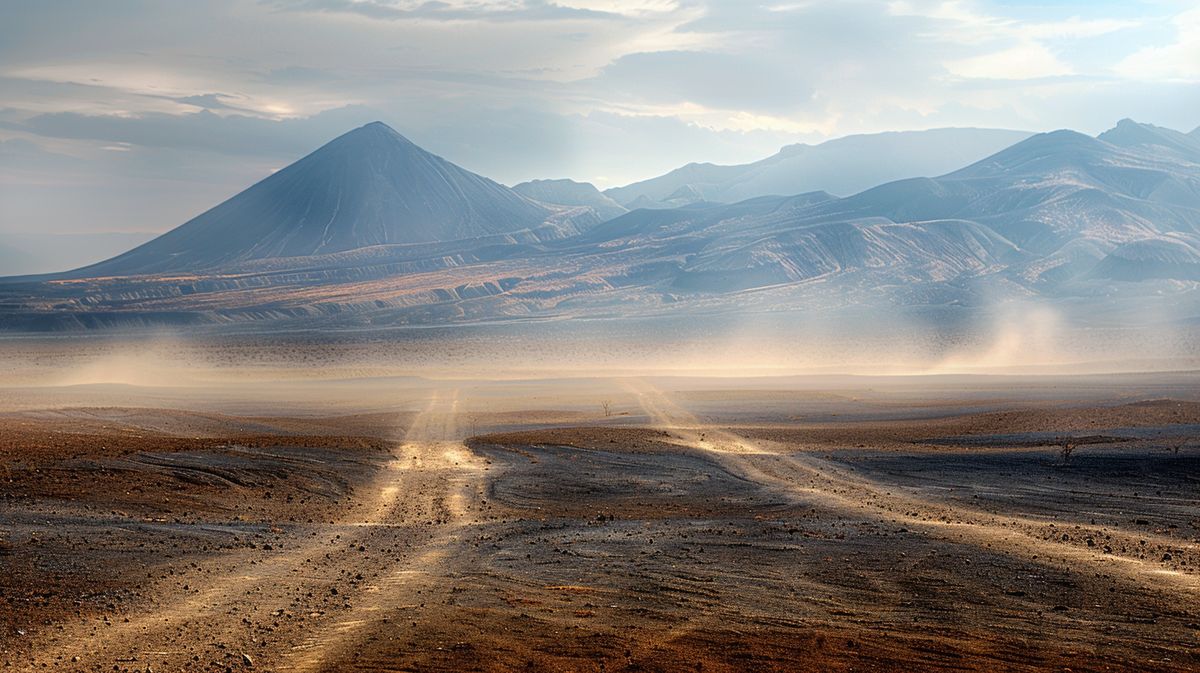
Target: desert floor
(701, 524)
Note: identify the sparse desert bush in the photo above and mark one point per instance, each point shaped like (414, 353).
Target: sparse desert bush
(1066, 450)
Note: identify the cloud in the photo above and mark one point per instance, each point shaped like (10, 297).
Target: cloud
(1076, 28)
(220, 92)
(730, 81)
(438, 10)
(1177, 61)
(298, 75)
(1005, 48)
(201, 131)
(1028, 60)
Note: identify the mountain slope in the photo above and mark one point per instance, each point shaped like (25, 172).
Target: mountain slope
(571, 193)
(1045, 212)
(1062, 217)
(1045, 191)
(1173, 256)
(842, 166)
(370, 186)
(1130, 134)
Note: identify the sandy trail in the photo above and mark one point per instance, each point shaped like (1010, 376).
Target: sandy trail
(441, 482)
(291, 605)
(810, 479)
(449, 558)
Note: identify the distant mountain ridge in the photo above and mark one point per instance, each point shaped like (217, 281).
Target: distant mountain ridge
(1101, 225)
(842, 166)
(1130, 134)
(1044, 212)
(571, 193)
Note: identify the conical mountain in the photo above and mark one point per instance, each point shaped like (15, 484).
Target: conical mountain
(370, 186)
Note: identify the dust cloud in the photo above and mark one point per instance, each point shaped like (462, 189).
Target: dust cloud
(1012, 338)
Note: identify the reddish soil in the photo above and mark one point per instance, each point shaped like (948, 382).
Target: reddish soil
(138, 539)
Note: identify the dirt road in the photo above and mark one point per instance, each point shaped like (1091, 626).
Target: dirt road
(675, 544)
(295, 602)
(812, 479)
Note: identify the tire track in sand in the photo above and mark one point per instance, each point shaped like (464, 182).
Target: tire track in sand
(435, 469)
(810, 479)
(417, 499)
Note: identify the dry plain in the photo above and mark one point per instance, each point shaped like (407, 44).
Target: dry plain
(388, 523)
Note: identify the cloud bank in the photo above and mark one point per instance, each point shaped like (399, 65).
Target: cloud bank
(136, 116)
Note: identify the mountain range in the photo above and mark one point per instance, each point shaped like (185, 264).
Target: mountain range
(372, 230)
(842, 166)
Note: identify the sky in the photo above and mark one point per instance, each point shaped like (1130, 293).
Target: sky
(130, 115)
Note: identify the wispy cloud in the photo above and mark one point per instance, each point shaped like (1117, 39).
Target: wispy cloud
(590, 89)
(440, 10)
(1178, 60)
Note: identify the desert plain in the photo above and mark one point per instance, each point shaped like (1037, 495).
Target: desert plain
(158, 513)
